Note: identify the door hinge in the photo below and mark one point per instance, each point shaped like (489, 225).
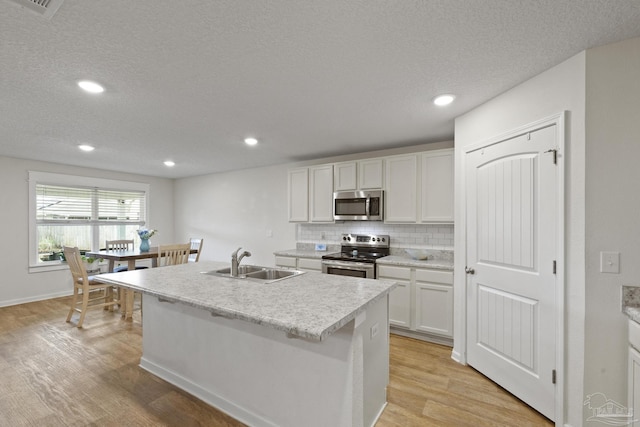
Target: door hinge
(553, 376)
(555, 155)
(554, 266)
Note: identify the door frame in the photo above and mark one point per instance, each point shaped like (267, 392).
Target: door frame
(459, 352)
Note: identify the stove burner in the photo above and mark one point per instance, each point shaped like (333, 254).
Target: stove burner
(361, 248)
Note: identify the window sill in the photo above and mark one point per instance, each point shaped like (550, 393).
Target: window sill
(46, 268)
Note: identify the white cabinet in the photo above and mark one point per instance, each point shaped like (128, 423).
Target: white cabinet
(361, 175)
(422, 304)
(298, 195)
(419, 187)
(634, 369)
(400, 297)
(345, 176)
(434, 302)
(321, 193)
(311, 194)
(401, 188)
(436, 193)
(370, 174)
(299, 263)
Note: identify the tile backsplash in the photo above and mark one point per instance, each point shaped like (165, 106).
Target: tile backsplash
(433, 236)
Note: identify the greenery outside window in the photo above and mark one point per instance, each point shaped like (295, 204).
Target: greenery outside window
(84, 212)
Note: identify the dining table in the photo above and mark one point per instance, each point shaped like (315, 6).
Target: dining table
(130, 256)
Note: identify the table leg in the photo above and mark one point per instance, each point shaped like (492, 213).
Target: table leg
(128, 294)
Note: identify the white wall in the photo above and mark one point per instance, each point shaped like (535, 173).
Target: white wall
(558, 89)
(17, 285)
(236, 209)
(612, 209)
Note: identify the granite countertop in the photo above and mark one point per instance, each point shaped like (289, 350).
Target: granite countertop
(310, 306)
(631, 302)
(405, 261)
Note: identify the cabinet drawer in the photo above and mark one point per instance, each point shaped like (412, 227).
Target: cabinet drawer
(634, 334)
(434, 276)
(309, 264)
(286, 261)
(394, 272)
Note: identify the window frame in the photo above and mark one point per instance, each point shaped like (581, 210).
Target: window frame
(49, 178)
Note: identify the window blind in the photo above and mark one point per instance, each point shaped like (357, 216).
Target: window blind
(78, 205)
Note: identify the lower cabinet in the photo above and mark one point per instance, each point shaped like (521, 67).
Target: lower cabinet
(299, 263)
(422, 304)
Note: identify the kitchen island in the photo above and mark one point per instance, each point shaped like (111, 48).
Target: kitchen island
(309, 350)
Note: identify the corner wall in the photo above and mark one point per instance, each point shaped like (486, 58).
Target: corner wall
(612, 210)
(558, 89)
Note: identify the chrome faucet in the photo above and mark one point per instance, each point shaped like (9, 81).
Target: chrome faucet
(235, 261)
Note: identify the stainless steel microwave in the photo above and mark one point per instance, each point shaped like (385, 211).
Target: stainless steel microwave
(358, 205)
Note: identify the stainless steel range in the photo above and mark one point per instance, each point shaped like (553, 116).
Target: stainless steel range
(357, 256)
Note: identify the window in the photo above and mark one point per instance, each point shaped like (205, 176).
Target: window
(84, 212)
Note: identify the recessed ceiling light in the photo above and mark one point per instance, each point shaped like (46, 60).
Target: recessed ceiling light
(169, 163)
(250, 141)
(445, 99)
(91, 87)
(85, 147)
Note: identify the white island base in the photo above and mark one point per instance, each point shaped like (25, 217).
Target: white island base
(262, 377)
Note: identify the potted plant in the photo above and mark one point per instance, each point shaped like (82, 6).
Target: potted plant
(91, 263)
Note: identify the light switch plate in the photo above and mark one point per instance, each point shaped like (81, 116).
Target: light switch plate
(609, 262)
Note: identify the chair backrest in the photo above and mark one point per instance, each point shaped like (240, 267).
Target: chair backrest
(76, 266)
(173, 254)
(119, 245)
(197, 245)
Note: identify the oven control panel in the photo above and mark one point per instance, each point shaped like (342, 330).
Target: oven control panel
(366, 240)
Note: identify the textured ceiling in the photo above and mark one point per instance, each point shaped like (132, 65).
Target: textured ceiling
(188, 80)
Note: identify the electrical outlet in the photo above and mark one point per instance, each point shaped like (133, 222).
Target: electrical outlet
(610, 262)
(374, 330)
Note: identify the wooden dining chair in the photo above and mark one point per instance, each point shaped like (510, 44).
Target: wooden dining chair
(197, 245)
(121, 245)
(87, 293)
(173, 254)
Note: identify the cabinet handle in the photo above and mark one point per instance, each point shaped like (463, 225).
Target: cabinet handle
(469, 270)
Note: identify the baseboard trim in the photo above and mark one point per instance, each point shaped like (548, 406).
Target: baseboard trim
(19, 301)
(424, 337)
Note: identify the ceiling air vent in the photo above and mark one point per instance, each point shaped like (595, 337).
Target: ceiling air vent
(44, 8)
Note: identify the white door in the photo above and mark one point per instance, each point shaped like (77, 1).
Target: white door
(512, 237)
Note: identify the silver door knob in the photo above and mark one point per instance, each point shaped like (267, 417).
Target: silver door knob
(469, 270)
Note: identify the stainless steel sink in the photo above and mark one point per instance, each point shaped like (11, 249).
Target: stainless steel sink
(242, 270)
(256, 273)
(272, 274)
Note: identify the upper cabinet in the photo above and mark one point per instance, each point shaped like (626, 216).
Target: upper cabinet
(370, 174)
(321, 193)
(311, 194)
(401, 188)
(436, 193)
(418, 187)
(359, 175)
(345, 176)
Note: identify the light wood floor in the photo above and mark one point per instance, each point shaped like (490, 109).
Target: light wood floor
(53, 374)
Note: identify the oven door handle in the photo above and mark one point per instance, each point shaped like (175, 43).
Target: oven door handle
(348, 265)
